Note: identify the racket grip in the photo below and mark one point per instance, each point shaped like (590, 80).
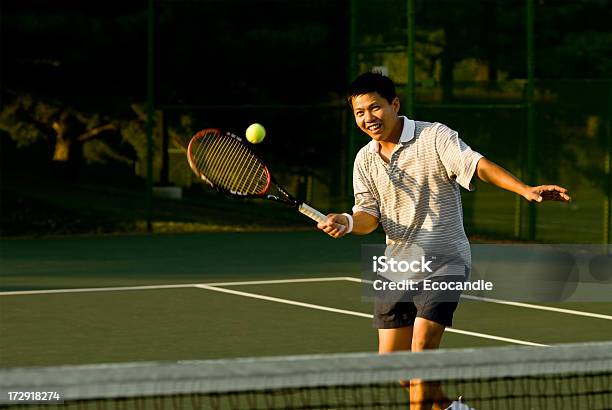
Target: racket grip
(312, 213)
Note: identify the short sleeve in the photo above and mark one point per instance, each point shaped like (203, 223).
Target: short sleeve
(458, 158)
(365, 201)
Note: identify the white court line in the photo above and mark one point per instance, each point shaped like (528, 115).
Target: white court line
(303, 280)
(520, 304)
(152, 287)
(79, 290)
(210, 286)
(286, 301)
(275, 281)
(539, 307)
(352, 313)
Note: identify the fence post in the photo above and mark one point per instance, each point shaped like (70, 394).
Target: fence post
(150, 113)
(607, 231)
(531, 171)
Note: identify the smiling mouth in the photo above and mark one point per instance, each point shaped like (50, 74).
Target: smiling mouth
(374, 127)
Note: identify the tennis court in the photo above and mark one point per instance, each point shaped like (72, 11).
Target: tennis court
(169, 304)
(221, 295)
(140, 269)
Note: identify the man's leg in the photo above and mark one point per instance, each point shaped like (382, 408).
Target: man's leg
(394, 321)
(426, 335)
(393, 340)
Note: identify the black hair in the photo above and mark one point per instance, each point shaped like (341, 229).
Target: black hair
(371, 82)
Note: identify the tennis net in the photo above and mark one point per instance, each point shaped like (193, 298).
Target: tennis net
(572, 376)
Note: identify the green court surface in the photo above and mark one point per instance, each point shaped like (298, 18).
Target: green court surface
(101, 299)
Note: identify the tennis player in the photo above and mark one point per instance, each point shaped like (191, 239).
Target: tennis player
(407, 178)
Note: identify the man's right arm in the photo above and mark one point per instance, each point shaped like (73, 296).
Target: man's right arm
(337, 225)
(364, 223)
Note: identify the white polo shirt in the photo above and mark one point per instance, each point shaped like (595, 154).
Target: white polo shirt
(416, 196)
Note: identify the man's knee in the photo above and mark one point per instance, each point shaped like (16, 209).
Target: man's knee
(427, 335)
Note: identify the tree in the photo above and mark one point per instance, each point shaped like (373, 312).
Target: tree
(27, 119)
(74, 136)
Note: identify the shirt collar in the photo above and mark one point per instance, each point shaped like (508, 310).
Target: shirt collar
(406, 136)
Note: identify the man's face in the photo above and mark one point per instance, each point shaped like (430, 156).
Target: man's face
(375, 116)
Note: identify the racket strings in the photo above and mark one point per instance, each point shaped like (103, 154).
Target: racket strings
(253, 175)
(254, 167)
(212, 162)
(223, 169)
(227, 164)
(247, 178)
(206, 162)
(242, 176)
(206, 147)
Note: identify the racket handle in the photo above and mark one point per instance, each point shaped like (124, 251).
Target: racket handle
(312, 213)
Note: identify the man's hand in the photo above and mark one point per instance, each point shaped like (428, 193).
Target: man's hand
(546, 193)
(492, 173)
(335, 225)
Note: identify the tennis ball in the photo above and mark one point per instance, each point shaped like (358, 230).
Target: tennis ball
(255, 133)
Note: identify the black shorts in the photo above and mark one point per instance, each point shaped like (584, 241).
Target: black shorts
(400, 309)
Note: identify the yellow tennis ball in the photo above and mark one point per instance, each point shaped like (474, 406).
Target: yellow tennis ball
(255, 133)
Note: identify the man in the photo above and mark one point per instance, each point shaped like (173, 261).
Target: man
(407, 178)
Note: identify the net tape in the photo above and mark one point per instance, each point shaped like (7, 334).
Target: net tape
(84, 382)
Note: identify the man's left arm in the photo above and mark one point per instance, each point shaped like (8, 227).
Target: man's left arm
(492, 173)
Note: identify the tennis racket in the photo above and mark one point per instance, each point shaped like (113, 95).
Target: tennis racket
(225, 163)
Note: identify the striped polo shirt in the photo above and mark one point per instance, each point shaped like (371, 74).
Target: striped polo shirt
(416, 195)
